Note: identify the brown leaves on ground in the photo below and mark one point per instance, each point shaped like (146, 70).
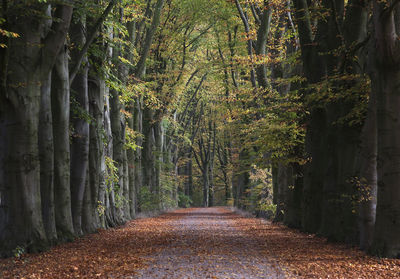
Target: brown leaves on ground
(113, 253)
(309, 256)
(200, 243)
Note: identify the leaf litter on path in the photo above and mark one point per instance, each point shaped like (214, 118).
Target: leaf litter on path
(200, 243)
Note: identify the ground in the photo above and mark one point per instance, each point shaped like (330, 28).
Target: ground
(200, 243)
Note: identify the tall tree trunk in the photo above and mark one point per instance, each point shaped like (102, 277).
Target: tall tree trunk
(212, 134)
(110, 206)
(368, 177)
(314, 172)
(138, 127)
(387, 230)
(315, 69)
(118, 134)
(93, 207)
(343, 138)
(46, 155)
(80, 137)
(148, 159)
(131, 171)
(293, 197)
(127, 203)
(190, 175)
(188, 172)
(130, 121)
(211, 187)
(282, 184)
(228, 178)
(206, 186)
(88, 213)
(97, 149)
(338, 220)
(3, 190)
(385, 81)
(158, 154)
(20, 103)
(141, 175)
(23, 224)
(60, 99)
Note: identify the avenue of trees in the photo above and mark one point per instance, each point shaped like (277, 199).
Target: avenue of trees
(287, 108)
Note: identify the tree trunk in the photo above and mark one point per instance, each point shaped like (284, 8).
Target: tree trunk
(158, 145)
(88, 212)
(384, 80)
(23, 224)
(188, 172)
(93, 207)
(387, 229)
(138, 127)
(212, 134)
(29, 61)
(313, 50)
(339, 218)
(131, 172)
(21, 200)
(314, 172)
(127, 201)
(293, 197)
(97, 151)
(211, 187)
(60, 99)
(130, 153)
(110, 207)
(282, 184)
(46, 155)
(206, 186)
(80, 137)
(118, 135)
(3, 162)
(262, 38)
(368, 177)
(148, 159)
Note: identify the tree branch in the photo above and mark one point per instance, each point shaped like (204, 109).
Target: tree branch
(199, 36)
(141, 65)
(192, 97)
(255, 15)
(89, 40)
(250, 43)
(302, 15)
(197, 160)
(56, 37)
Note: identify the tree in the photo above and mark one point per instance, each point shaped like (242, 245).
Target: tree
(384, 79)
(28, 67)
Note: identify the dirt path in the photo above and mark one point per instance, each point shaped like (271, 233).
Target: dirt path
(200, 243)
(208, 244)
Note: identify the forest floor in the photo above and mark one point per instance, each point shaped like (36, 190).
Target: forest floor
(200, 243)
